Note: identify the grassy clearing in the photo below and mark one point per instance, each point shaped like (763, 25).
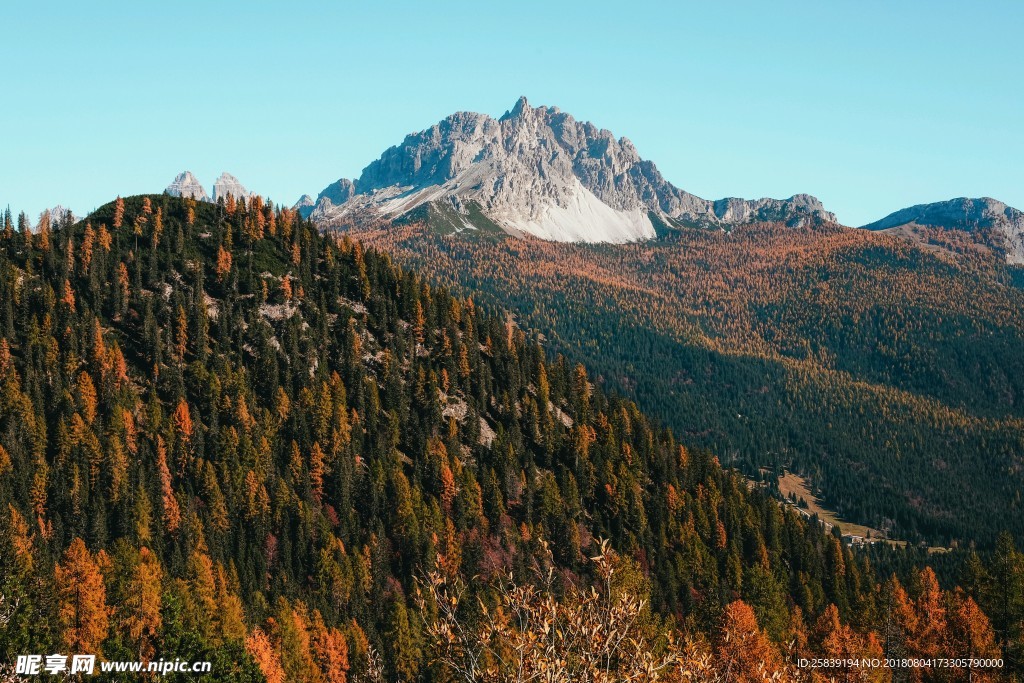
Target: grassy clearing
(792, 484)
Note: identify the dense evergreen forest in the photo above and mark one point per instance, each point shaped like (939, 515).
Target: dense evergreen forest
(226, 436)
(889, 374)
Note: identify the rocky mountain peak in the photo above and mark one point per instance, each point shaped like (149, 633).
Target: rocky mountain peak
(186, 185)
(228, 184)
(966, 214)
(538, 171)
(305, 205)
(521, 107)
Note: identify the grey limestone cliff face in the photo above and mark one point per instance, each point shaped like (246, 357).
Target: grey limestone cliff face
(186, 185)
(339, 191)
(228, 184)
(970, 215)
(537, 170)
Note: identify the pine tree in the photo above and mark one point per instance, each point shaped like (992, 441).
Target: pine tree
(223, 263)
(81, 595)
(330, 650)
(402, 653)
(202, 595)
(258, 645)
(744, 652)
(230, 611)
(171, 510)
(85, 255)
(118, 213)
(316, 472)
(25, 230)
(87, 397)
(43, 232)
(295, 644)
(141, 606)
(180, 335)
(930, 638)
(19, 541)
(970, 634)
(1006, 604)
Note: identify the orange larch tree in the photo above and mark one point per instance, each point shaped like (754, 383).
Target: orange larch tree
(259, 646)
(171, 510)
(82, 600)
(118, 212)
(743, 650)
(141, 606)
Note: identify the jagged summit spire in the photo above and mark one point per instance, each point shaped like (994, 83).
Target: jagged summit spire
(228, 184)
(520, 106)
(186, 185)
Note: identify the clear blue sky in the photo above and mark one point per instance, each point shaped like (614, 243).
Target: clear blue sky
(871, 106)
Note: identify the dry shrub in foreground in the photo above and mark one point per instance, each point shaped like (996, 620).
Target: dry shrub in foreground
(591, 634)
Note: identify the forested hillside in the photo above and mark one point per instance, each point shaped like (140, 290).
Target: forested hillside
(226, 436)
(888, 374)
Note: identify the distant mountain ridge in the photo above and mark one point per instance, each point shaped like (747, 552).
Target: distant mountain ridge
(969, 215)
(538, 171)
